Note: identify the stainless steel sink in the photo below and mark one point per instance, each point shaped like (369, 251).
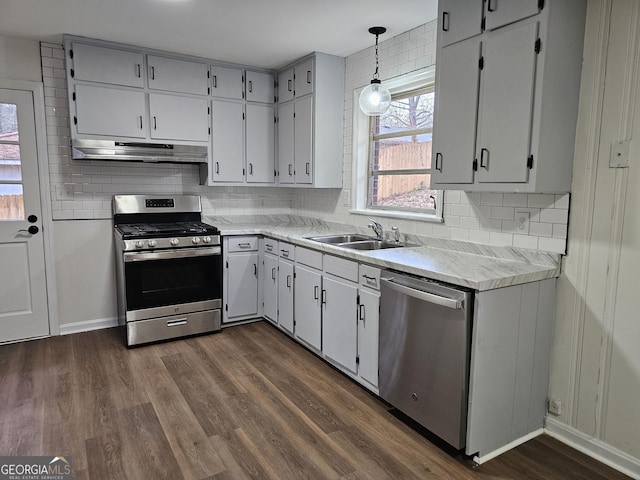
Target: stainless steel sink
(347, 238)
(356, 241)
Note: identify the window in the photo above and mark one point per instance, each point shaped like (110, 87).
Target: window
(400, 154)
(392, 153)
(11, 198)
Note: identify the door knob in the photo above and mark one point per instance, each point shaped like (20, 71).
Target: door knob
(32, 230)
(32, 219)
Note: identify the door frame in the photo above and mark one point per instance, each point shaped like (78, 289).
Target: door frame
(37, 91)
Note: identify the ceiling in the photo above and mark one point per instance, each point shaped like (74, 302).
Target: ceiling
(261, 33)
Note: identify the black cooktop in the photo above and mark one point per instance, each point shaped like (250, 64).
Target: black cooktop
(173, 229)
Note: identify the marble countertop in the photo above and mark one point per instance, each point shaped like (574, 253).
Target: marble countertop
(476, 266)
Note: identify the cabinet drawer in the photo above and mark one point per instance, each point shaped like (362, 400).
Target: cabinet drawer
(270, 246)
(341, 268)
(308, 257)
(370, 277)
(286, 250)
(243, 244)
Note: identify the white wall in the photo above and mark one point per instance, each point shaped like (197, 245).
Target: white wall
(595, 369)
(20, 59)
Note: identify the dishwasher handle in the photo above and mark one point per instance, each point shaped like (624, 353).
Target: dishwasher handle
(453, 303)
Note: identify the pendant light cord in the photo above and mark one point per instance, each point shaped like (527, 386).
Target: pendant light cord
(376, 75)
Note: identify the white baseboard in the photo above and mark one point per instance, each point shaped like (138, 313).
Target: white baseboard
(507, 447)
(593, 447)
(88, 325)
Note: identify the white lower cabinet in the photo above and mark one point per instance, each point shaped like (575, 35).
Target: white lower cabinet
(307, 307)
(339, 321)
(285, 294)
(270, 287)
(368, 331)
(240, 280)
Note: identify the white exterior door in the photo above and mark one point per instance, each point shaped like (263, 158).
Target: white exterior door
(23, 289)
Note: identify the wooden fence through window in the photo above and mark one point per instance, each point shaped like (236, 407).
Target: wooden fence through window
(398, 157)
(11, 207)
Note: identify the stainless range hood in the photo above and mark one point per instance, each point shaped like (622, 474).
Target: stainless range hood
(139, 152)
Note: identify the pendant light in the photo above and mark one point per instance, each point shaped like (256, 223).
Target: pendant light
(375, 99)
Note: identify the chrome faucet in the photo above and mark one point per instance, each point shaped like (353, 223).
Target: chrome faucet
(377, 228)
(396, 234)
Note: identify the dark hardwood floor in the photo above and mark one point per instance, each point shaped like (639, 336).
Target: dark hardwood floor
(244, 403)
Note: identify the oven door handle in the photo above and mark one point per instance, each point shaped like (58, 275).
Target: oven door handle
(170, 254)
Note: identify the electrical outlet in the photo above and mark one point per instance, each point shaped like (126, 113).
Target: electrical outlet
(555, 406)
(263, 201)
(522, 219)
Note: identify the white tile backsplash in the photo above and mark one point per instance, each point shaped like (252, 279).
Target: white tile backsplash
(487, 218)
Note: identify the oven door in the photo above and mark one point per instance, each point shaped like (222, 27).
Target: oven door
(168, 282)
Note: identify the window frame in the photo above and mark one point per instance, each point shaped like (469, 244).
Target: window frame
(361, 146)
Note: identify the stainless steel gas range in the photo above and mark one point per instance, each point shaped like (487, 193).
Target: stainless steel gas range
(169, 267)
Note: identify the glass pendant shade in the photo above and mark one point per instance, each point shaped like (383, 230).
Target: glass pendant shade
(375, 99)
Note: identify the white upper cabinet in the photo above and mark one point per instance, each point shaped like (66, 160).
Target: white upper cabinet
(106, 65)
(109, 111)
(260, 87)
(179, 118)
(227, 141)
(310, 128)
(180, 76)
(507, 101)
(459, 20)
(285, 85)
(260, 138)
(303, 77)
(500, 12)
(227, 82)
(506, 105)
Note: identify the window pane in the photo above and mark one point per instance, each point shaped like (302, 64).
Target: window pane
(415, 111)
(8, 122)
(402, 153)
(11, 202)
(401, 192)
(10, 163)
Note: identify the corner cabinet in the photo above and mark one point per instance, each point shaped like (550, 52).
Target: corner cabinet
(507, 87)
(310, 122)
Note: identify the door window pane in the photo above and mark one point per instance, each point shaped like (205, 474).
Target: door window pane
(11, 202)
(8, 122)
(10, 169)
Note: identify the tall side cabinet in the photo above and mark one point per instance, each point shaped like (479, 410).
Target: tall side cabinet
(310, 122)
(507, 87)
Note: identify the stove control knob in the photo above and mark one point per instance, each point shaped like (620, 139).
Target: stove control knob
(174, 241)
(195, 240)
(139, 244)
(152, 243)
(206, 239)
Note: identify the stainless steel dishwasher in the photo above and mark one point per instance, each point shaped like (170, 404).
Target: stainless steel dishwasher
(425, 337)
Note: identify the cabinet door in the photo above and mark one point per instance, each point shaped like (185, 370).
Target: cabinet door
(303, 139)
(242, 285)
(107, 65)
(506, 104)
(459, 19)
(285, 143)
(110, 111)
(454, 135)
(307, 307)
(501, 12)
(270, 287)
(285, 85)
(368, 319)
(260, 87)
(227, 145)
(260, 137)
(339, 322)
(179, 118)
(285, 295)
(181, 76)
(303, 78)
(227, 82)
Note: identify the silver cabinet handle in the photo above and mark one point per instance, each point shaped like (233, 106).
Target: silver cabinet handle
(421, 295)
(290, 167)
(289, 85)
(217, 167)
(177, 323)
(315, 292)
(309, 77)
(306, 168)
(244, 245)
(251, 169)
(273, 274)
(215, 81)
(269, 248)
(439, 157)
(445, 21)
(361, 308)
(288, 281)
(250, 86)
(324, 297)
(285, 253)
